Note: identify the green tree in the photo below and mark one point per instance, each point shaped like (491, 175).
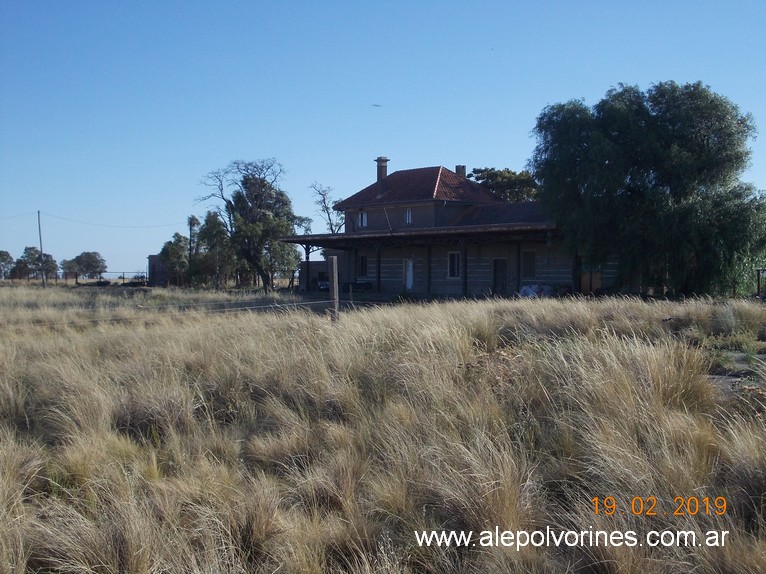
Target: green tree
(506, 183)
(70, 267)
(49, 266)
(175, 257)
(20, 269)
(31, 262)
(193, 224)
(6, 264)
(653, 178)
(31, 259)
(254, 210)
(91, 264)
(282, 260)
(217, 258)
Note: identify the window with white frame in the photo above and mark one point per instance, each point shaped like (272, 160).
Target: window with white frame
(453, 264)
(408, 216)
(362, 218)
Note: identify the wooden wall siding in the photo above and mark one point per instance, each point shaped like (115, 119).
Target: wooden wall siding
(552, 265)
(422, 216)
(479, 275)
(371, 265)
(609, 272)
(445, 214)
(440, 283)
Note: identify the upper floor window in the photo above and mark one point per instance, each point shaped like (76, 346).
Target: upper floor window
(362, 218)
(408, 216)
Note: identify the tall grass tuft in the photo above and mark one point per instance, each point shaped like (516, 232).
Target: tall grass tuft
(187, 441)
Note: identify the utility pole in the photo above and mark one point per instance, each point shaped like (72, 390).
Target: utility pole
(40, 234)
(217, 269)
(193, 222)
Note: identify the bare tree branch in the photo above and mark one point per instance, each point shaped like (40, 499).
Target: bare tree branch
(325, 202)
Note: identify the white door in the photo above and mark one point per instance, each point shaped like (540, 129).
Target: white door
(409, 272)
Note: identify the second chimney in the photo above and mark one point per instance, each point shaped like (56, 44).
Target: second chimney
(382, 167)
(460, 170)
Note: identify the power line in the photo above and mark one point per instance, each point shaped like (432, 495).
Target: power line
(112, 225)
(30, 214)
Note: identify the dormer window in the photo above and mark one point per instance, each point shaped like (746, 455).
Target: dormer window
(408, 216)
(362, 218)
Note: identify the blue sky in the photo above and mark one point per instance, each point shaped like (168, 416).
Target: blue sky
(111, 113)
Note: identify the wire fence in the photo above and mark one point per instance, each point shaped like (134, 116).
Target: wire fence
(175, 309)
(121, 311)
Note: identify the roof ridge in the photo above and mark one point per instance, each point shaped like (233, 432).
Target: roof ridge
(438, 179)
(417, 169)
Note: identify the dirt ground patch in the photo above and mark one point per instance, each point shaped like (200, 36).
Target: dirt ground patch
(743, 380)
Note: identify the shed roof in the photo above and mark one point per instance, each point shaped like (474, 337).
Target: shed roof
(527, 212)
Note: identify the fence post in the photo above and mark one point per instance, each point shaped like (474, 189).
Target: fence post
(332, 268)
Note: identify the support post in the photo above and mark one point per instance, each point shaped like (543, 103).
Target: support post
(332, 268)
(306, 276)
(428, 270)
(464, 264)
(378, 249)
(42, 254)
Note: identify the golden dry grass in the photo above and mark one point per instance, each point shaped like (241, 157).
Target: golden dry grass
(199, 442)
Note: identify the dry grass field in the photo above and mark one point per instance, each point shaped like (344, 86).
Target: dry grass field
(136, 437)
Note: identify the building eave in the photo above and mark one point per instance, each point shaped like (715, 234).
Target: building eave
(341, 240)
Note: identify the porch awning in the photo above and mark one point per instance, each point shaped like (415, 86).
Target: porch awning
(432, 235)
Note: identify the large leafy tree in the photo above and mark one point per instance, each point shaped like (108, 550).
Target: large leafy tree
(20, 269)
(175, 257)
(653, 178)
(31, 259)
(91, 264)
(70, 267)
(255, 212)
(88, 263)
(506, 183)
(6, 263)
(216, 258)
(49, 266)
(31, 262)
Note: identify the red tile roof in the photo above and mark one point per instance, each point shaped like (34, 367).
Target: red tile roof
(416, 185)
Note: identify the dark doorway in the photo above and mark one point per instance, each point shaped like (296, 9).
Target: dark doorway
(500, 277)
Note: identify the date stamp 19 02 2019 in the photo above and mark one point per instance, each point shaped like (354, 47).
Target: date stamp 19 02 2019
(648, 506)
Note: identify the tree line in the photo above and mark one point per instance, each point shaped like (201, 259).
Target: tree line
(88, 264)
(238, 238)
(651, 178)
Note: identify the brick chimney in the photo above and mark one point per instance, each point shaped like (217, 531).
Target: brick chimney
(460, 170)
(382, 167)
